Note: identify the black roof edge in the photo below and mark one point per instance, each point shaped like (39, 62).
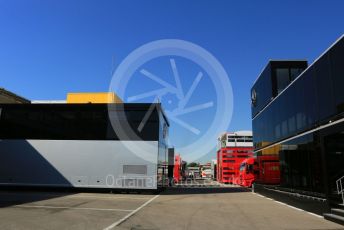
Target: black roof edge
(273, 61)
(114, 105)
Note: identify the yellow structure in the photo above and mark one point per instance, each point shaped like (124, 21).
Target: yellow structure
(274, 150)
(106, 97)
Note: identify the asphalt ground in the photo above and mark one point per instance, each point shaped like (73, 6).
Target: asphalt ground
(176, 208)
(49, 210)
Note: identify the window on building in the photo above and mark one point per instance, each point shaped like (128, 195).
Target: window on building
(294, 73)
(282, 79)
(248, 139)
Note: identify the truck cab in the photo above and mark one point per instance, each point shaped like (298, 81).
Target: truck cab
(246, 172)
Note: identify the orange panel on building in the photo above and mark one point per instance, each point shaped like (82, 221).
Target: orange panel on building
(106, 97)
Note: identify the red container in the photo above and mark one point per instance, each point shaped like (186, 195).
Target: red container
(267, 169)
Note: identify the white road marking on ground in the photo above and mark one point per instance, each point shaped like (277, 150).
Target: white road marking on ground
(71, 208)
(278, 202)
(299, 209)
(313, 214)
(130, 214)
(63, 195)
(108, 197)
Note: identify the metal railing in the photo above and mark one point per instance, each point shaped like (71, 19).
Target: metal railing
(340, 190)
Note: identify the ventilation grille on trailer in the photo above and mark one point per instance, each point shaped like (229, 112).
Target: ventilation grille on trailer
(135, 169)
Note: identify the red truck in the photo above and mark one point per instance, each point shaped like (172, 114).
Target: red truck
(246, 173)
(262, 169)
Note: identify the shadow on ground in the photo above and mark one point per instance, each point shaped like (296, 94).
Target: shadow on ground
(20, 196)
(205, 190)
(311, 205)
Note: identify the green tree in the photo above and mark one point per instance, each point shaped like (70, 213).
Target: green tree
(193, 164)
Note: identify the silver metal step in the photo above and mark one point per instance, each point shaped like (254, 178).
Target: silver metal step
(337, 211)
(335, 218)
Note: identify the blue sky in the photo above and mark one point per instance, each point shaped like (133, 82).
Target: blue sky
(49, 48)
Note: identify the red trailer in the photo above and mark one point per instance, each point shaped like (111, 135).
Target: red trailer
(233, 149)
(267, 169)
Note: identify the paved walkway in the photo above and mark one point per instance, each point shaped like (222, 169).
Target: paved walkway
(49, 210)
(221, 208)
(178, 208)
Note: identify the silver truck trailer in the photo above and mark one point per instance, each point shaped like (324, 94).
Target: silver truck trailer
(81, 145)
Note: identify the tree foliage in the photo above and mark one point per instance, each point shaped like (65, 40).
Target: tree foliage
(193, 164)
